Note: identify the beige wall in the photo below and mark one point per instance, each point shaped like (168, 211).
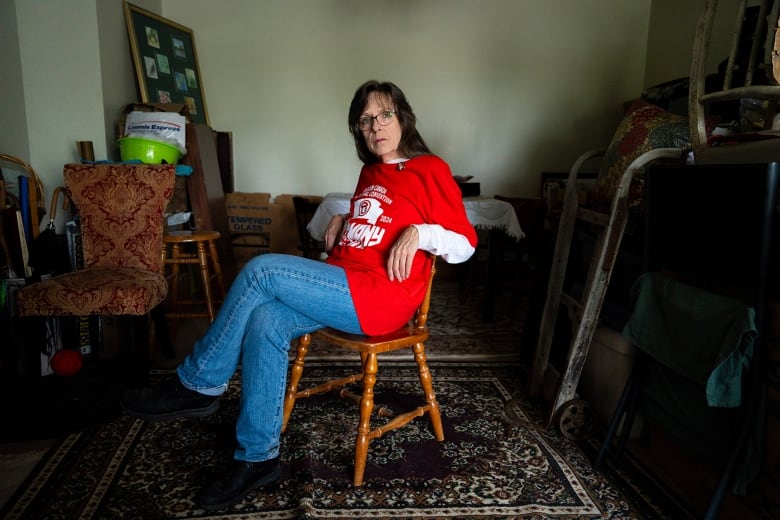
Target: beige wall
(52, 94)
(672, 31)
(13, 121)
(503, 89)
(670, 40)
(118, 75)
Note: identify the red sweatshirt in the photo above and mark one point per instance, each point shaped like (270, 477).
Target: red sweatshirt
(387, 200)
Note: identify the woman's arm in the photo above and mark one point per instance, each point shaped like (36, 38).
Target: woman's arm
(452, 247)
(333, 231)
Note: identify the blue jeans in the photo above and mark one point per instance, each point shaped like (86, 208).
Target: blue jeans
(273, 300)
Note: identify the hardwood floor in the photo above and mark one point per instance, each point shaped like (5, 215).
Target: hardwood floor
(17, 460)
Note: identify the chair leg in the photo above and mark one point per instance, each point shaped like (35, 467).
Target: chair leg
(175, 278)
(217, 268)
(295, 376)
(173, 286)
(489, 303)
(427, 384)
(370, 368)
(205, 279)
(140, 354)
(162, 335)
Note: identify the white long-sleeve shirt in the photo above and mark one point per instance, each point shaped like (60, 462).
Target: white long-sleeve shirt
(450, 246)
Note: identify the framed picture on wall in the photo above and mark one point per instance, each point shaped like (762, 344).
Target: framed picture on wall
(166, 62)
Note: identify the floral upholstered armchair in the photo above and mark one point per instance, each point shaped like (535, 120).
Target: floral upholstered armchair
(121, 210)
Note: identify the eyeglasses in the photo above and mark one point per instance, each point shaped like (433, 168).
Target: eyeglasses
(383, 118)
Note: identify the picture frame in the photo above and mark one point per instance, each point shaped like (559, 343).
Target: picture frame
(165, 61)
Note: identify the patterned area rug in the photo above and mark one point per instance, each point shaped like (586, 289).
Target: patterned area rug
(489, 465)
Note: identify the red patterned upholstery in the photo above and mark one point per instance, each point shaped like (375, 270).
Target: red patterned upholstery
(121, 209)
(97, 290)
(645, 127)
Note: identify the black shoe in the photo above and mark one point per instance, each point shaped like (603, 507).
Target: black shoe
(168, 400)
(241, 478)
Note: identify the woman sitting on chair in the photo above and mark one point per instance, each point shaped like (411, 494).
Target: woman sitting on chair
(406, 203)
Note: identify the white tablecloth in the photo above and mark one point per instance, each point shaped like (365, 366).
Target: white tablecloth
(482, 212)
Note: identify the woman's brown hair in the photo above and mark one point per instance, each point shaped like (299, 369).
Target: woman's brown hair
(412, 143)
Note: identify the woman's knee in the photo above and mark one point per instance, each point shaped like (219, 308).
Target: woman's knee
(264, 260)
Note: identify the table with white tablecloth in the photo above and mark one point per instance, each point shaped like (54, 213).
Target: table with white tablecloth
(482, 212)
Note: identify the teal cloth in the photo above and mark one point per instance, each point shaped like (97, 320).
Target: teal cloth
(706, 337)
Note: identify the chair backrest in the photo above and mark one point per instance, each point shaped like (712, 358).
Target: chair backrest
(121, 209)
(36, 198)
(755, 55)
(304, 211)
(421, 316)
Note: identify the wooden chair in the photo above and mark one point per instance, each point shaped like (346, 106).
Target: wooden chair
(412, 336)
(35, 195)
(121, 211)
(304, 211)
(750, 73)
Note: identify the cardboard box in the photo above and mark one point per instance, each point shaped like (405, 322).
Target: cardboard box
(259, 225)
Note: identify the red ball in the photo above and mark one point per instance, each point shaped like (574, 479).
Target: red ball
(66, 362)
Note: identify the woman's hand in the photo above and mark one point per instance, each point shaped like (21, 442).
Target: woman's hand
(333, 231)
(399, 262)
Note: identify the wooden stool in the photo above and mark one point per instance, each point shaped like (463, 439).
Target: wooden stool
(202, 240)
